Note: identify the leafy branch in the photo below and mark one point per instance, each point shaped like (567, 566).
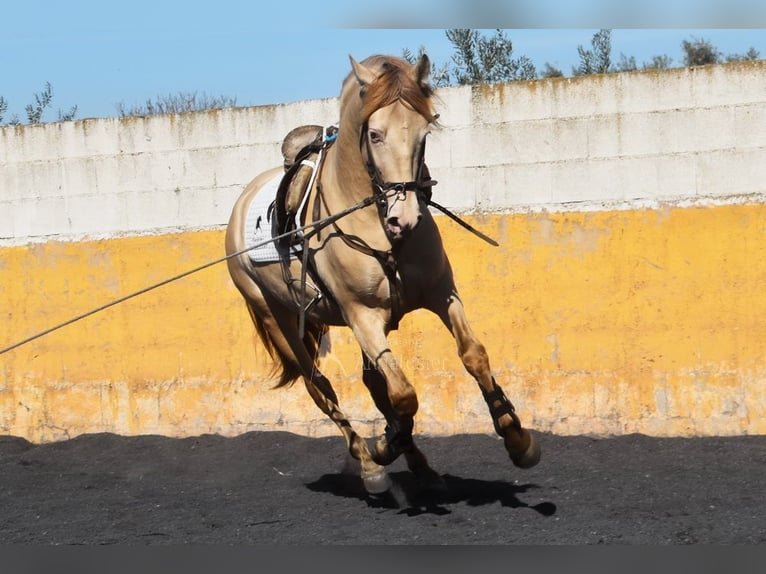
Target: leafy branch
(176, 103)
(35, 111)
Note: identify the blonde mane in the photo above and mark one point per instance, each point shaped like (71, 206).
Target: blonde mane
(395, 81)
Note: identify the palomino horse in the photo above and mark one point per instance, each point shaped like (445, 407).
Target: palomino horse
(383, 259)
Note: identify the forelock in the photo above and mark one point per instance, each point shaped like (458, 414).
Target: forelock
(393, 83)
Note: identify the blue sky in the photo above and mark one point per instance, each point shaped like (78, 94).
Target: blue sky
(99, 53)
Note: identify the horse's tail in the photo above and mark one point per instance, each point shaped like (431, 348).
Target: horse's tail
(286, 367)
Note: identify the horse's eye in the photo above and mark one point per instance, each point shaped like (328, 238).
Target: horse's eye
(375, 136)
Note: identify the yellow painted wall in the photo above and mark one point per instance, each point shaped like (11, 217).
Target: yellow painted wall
(650, 321)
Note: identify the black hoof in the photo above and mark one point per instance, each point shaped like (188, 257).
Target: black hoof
(530, 457)
(397, 439)
(432, 485)
(384, 453)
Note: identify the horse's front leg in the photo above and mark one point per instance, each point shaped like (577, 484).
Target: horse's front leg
(369, 327)
(522, 447)
(428, 478)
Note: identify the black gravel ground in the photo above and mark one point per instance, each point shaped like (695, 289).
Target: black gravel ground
(279, 488)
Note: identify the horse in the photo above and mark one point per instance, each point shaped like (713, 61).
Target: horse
(373, 255)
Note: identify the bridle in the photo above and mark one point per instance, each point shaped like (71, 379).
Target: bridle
(421, 185)
(383, 190)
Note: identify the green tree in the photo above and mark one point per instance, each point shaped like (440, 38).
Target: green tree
(751, 54)
(35, 111)
(700, 52)
(68, 115)
(598, 59)
(486, 60)
(663, 62)
(625, 64)
(480, 59)
(176, 103)
(42, 101)
(551, 71)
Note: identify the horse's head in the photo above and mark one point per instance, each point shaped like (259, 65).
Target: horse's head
(395, 116)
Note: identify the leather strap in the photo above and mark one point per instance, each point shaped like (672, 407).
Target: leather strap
(505, 407)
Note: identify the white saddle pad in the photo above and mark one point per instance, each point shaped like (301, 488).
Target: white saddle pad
(258, 227)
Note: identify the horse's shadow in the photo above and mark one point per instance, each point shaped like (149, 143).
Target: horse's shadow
(407, 495)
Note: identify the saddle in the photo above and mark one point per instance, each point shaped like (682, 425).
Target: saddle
(300, 152)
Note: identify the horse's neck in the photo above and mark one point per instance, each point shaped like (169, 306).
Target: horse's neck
(346, 173)
(345, 183)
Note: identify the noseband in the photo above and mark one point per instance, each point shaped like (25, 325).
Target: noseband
(381, 192)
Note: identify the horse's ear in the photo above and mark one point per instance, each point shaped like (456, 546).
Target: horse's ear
(364, 75)
(422, 70)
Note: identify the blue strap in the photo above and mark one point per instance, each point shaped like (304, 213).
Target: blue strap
(330, 134)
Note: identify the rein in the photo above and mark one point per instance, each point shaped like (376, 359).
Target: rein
(380, 187)
(387, 259)
(313, 227)
(382, 191)
(421, 185)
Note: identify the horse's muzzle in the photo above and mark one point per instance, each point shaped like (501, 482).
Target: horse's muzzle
(397, 229)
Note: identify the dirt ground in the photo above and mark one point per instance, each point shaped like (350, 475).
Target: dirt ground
(279, 488)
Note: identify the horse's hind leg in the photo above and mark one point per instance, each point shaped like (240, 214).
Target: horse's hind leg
(522, 447)
(416, 461)
(374, 476)
(280, 326)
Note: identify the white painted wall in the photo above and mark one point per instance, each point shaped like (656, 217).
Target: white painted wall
(596, 142)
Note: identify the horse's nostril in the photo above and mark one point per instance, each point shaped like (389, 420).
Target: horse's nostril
(393, 221)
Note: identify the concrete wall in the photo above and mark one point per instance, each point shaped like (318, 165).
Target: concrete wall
(627, 294)
(107, 177)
